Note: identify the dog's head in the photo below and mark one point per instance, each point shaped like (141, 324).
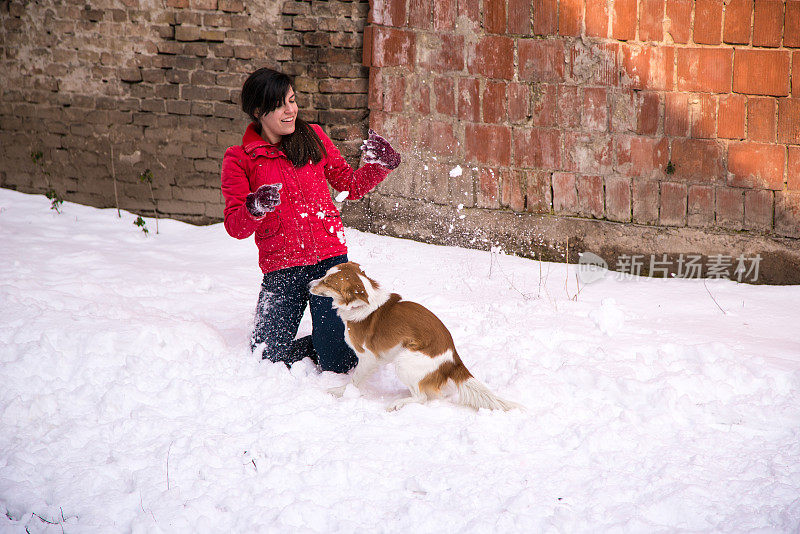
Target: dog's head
(346, 284)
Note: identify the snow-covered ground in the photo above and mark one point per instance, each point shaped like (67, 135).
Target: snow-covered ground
(129, 401)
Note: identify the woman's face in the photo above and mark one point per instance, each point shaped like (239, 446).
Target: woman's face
(279, 121)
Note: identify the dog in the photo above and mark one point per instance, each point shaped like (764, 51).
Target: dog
(383, 328)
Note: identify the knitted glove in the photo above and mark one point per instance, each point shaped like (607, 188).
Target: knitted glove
(264, 200)
(376, 149)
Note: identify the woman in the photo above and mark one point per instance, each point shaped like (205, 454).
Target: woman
(275, 186)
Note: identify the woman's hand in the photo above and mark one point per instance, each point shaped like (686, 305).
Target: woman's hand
(264, 200)
(376, 149)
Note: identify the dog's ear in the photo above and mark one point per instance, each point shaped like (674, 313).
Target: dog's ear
(355, 292)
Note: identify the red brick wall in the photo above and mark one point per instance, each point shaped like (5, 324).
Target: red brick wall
(671, 113)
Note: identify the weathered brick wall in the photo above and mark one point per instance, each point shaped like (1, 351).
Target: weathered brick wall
(112, 88)
(677, 116)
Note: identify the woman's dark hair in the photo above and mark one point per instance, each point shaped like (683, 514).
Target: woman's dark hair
(264, 91)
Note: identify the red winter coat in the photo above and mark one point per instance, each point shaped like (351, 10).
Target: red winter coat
(306, 228)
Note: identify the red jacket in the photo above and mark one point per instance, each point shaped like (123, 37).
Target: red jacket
(306, 228)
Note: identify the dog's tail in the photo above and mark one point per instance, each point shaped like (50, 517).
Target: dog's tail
(473, 393)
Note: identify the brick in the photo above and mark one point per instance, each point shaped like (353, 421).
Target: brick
(645, 201)
(231, 6)
(730, 208)
(494, 16)
(796, 72)
(731, 116)
(468, 99)
(597, 18)
(700, 209)
(758, 210)
(394, 91)
(387, 13)
(756, 165)
(590, 196)
(392, 47)
(541, 60)
(676, 114)
(647, 67)
(679, 20)
(537, 148)
(738, 16)
(488, 188)
(545, 17)
(789, 121)
(704, 69)
(570, 17)
(132, 75)
(569, 106)
(761, 121)
(594, 63)
(450, 55)
(623, 20)
(768, 23)
(209, 5)
(761, 72)
(793, 176)
(493, 57)
(640, 156)
(494, 104)
(703, 116)
(708, 22)
(651, 20)
(518, 98)
(635, 111)
(444, 93)
(420, 14)
(697, 160)
(543, 105)
(648, 113)
(419, 97)
(519, 17)
(513, 195)
(587, 153)
(672, 205)
(792, 20)
(787, 213)
(489, 144)
(565, 193)
(595, 109)
(538, 191)
(618, 198)
(444, 14)
(375, 89)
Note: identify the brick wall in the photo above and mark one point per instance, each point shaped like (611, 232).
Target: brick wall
(117, 87)
(678, 115)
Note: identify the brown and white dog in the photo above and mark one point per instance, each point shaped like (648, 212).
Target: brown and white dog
(382, 328)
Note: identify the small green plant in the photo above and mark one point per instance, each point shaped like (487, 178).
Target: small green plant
(141, 223)
(37, 157)
(146, 177)
(670, 168)
(55, 200)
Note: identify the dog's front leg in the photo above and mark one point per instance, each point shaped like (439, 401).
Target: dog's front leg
(367, 364)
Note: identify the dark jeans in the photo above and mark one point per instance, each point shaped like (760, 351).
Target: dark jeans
(283, 299)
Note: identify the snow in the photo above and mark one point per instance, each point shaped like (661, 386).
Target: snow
(456, 171)
(342, 196)
(130, 401)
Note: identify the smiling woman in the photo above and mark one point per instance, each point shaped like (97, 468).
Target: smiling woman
(275, 186)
